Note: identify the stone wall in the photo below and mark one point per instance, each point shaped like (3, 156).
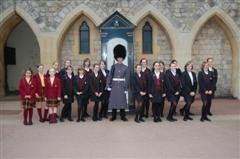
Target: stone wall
(182, 13)
(162, 49)
(70, 48)
(211, 41)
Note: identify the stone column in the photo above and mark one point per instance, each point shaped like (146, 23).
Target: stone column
(182, 52)
(48, 49)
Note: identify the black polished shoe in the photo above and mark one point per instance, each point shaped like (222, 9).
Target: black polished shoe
(174, 119)
(112, 119)
(94, 119)
(189, 118)
(159, 119)
(124, 119)
(83, 120)
(70, 119)
(155, 120)
(169, 119)
(78, 120)
(192, 114)
(206, 118)
(141, 119)
(202, 119)
(185, 119)
(61, 120)
(136, 120)
(209, 113)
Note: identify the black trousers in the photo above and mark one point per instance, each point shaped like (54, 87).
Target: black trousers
(156, 107)
(172, 109)
(206, 100)
(95, 110)
(67, 111)
(122, 113)
(146, 104)
(104, 105)
(81, 104)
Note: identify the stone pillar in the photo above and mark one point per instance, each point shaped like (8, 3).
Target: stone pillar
(182, 52)
(48, 49)
(2, 77)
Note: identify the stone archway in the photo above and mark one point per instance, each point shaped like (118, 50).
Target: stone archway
(9, 20)
(70, 19)
(162, 44)
(230, 30)
(162, 20)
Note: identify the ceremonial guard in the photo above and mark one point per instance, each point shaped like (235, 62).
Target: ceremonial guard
(117, 83)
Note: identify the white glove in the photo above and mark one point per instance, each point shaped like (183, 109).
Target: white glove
(109, 89)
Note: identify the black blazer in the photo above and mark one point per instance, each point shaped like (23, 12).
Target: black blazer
(204, 82)
(157, 95)
(187, 85)
(147, 74)
(67, 89)
(215, 78)
(96, 85)
(137, 86)
(104, 78)
(85, 88)
(169, 79)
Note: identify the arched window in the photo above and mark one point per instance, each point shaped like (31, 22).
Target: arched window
(84, 38)
(147, 38)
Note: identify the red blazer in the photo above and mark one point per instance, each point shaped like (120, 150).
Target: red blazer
(26, 88)
(38, 83)
(52, 91)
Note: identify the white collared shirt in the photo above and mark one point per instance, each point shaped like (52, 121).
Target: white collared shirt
(191, 76)
(157, 74)
(104, 72)
(81, 76)
(210, 69)
(174, 73)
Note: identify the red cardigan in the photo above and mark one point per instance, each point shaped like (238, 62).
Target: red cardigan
(52, 91)
(38, 83)
(26, 88)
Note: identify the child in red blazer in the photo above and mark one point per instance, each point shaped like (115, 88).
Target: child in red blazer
(52, 94)
(27, 89)
(40, 85)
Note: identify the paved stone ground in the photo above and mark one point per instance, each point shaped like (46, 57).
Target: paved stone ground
(192, 139)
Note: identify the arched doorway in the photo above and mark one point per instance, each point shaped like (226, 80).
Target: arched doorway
(19, 49)
(229, 54)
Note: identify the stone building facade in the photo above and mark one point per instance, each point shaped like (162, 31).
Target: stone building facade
(182, 29)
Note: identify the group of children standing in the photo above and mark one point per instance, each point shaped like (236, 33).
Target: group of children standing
(109, 87)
